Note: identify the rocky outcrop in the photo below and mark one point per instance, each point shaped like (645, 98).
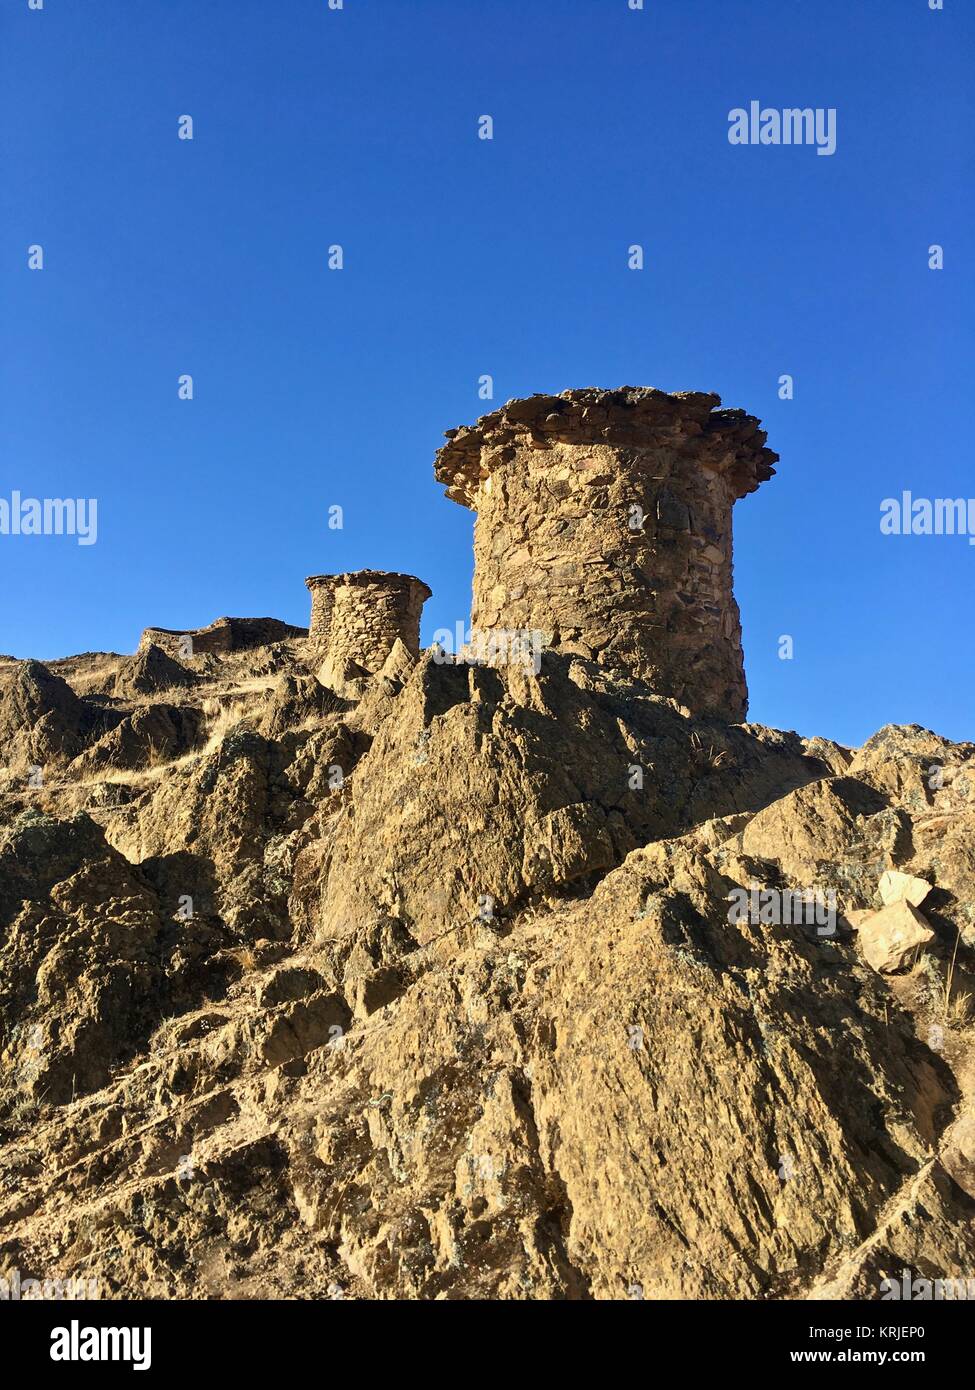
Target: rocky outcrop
(485, 788)
(87, 965)
(42, 720)
(146, 738)
(616, 1093)
(150, 671)
(430, 976)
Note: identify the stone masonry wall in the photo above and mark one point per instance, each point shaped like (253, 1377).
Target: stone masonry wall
(604, 521)
(222, 635)
(322, 588)
(356, 618)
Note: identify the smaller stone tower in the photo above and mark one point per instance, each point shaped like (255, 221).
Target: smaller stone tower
(356, 618)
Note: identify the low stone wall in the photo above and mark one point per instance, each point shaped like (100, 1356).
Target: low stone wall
(223, 635)
(604, 521)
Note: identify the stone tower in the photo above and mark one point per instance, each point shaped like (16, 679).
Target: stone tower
(604, 521)
(356, 618)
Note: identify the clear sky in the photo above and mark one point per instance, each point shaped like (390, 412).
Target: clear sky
(464, 257)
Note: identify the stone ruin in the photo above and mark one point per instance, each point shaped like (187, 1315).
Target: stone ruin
(604, 522)
(219, 637)
(603, 530)
(357, 618)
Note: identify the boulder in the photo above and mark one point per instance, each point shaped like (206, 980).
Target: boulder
(896, 887)
(890, 939)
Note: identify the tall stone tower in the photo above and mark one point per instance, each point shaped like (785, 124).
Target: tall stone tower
(604, 521)
(356, 618)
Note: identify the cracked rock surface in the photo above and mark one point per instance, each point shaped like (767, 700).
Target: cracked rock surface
(429, 987)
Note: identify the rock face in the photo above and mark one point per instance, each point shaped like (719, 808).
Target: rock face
(604, 522)
(498, 785)
(150, 671)
(88, 968)
(455, 979)
(42, 720)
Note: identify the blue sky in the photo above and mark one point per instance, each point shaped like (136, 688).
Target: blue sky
(464, 257)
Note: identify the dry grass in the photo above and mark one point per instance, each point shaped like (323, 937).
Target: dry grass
(959, 1010)
(220, 723)
(221, 719)
(955, 1010)
(126, 776)
(245, 958)
(710, 757)
(252, 684)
